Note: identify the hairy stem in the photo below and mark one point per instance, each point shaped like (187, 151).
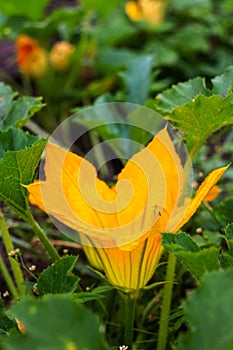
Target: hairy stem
(166, 304)
(43, 238)
(15, 266)
(129, 320)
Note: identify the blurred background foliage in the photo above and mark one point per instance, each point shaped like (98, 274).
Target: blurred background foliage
(119, 50)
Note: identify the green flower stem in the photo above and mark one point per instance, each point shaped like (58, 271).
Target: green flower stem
(129, 320)
(166, 305)
(8, 279)
(15, 266)
(42, 237)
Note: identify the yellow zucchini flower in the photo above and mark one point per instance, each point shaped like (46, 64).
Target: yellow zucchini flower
(151, 11)
(120, 226)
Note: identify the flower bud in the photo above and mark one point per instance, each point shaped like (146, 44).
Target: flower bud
(60, 55)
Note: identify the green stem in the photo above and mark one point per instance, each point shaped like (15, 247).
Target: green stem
(166, 305)
(43, 238)
(8, 279)
(129, 321)
(18, 275)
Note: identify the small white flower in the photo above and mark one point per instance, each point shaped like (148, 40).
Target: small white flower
(123, 347)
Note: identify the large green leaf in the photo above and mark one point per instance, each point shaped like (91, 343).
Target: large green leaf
(137, 78)
(198, 262)
(16, 112)
(55, 323)
(58, 278)
(208, 313)
(21, 110)
(180, 94)
(223, 84)
(6, 98)
(201, 117)
(20, 154)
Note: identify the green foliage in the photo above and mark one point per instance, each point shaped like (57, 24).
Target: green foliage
(208, 313)
(16, 112)
(224, 210)
(20, 153)
(55, 322)
(200, 118)
(183, 93)
(119, 129)
(7, 96)
(198, 262)
(102, 7)
(6, 324)
(58, 278)
(32, 10)
(197, 110)
(21, 110)
(227, 254)
(180, 94)
(137, 79)
(223, 84)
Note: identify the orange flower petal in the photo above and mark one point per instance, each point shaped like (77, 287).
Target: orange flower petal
(31, 58)
(201, 193)
(212, 194)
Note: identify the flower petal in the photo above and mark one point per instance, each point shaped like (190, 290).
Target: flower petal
(201, 193)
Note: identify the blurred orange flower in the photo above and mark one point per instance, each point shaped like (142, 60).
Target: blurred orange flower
(31, 57)
(151, 11)
(212, 194)
(60, 55)
(121, 226)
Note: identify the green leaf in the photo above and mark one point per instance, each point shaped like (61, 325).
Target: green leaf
(6, 324)
(58, 277)
(201, 117)
(229, 232)
(137, 79)
(102, 7)
(56, 323)
(30, 9)
(180, 94)
(15, 140)
(200, 263)
(179, 241)
(208, 313)
(197, 261)
(6, 97)
(223, 84)
(96, 293)
(118, 130)
(21, 110)
(226, 257)
(20, 154)
(116, 29)
(16, 112)
(224, 210)
(83, 297)
(114, 58)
